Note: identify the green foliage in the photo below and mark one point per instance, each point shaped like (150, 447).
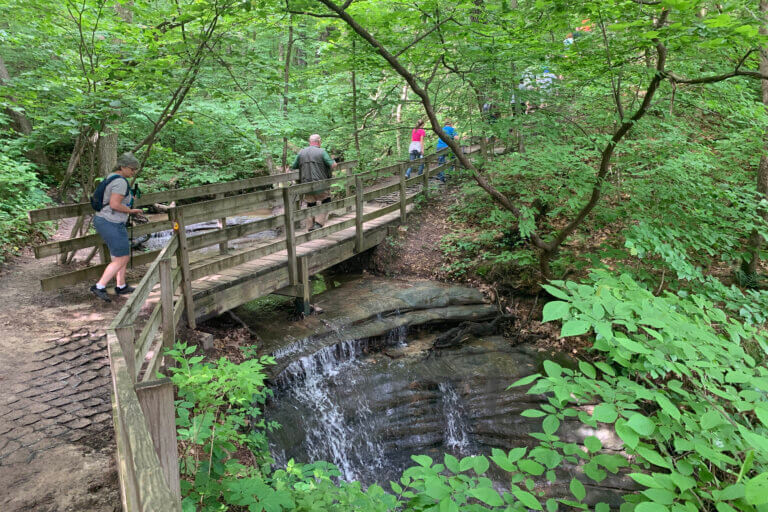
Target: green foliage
(20, 190)
(678, 386)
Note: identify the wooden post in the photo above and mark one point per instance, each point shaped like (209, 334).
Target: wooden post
(359, 212)
(182, 257)
(223, 246)
(425, 178)
(290, 236)
(403, 204)
(156, 400)
(306, 290)
(104, 255)
(166, 301)
(126, 335)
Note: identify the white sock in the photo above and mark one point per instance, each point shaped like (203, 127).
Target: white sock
(99, 287)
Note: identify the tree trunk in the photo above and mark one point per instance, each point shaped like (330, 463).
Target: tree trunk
(755, 240)
(125, 10)
(399, 117)
(20, 123)
(286, 79)
(354, 102)
(107, 150)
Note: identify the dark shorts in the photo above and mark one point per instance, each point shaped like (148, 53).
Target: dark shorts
(114, 234)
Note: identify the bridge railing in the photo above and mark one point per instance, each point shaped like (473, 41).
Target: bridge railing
(92, 241)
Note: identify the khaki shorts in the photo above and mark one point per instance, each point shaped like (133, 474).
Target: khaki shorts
(316, 197)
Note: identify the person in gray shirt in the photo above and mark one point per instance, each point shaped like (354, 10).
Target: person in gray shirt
(314, 164)
(110, 225)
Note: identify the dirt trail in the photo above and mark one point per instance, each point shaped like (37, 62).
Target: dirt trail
(56, 439)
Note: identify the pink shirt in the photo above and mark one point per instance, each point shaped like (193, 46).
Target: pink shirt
(417, 134)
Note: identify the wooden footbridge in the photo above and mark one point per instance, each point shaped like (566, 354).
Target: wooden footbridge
(200, 276)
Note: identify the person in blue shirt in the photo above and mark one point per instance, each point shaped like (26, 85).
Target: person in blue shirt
(451, 132)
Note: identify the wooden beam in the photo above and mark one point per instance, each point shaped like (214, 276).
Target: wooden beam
(233, 232)
(156, 401)
(125, 336)
(182, 257)
(290, 235)
(77, 209)
(403, 197)
(222, 223)
(166, 303)
(89, 273)
(359, 212)
(74, 244)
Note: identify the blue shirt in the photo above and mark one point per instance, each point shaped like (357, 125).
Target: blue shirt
(451, 132)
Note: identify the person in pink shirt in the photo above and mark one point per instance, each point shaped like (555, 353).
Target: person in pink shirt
(416, 149)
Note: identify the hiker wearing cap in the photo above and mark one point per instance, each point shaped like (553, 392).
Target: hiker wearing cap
(314, 164)
(110, 221)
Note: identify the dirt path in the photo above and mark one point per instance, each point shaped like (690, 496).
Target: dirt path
(56, 440)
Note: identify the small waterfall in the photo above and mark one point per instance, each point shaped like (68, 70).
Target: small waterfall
(455, 418)
(332, 435)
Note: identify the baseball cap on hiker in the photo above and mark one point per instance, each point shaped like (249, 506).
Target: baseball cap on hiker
(128, 160)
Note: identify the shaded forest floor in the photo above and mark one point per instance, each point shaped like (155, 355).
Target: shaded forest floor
(56, 439)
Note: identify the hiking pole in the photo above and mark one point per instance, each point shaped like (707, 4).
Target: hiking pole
(130, 243)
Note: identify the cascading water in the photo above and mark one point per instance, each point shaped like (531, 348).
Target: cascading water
(332, 433)
(456, 427)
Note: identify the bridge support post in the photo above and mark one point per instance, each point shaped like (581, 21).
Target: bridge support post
(359, 212)
(156, 401)
(290, 236)
(182, 257)
(305, 291)
(349, 171)
(222, 222)
(403, 197)
(166, 302)
(425, 185)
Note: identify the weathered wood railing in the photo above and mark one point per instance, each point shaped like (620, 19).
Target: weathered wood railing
(143, 400)
(92, 272)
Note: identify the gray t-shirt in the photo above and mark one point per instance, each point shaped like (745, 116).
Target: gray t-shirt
(117, 186)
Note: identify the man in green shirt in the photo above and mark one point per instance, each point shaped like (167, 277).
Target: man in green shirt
(314, 164)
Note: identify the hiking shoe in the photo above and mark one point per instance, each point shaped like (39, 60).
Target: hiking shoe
(315, 226)
(125, 290)
(100, 293)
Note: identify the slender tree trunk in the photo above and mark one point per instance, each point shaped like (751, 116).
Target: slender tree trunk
(107, 149)
(755, 240)
(399, 117)
(286, 80)
(354, 101)
(20, 123)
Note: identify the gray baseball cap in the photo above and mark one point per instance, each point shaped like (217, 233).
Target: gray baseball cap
(128, 160)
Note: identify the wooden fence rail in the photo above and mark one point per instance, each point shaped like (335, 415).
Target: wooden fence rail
(145, 327)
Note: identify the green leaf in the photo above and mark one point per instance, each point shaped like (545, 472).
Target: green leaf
(574, 328)
(653, 457)
(605, 413)
(486, 495)
(641, 424)
(650, 506)
(554, 310)
(550, 424)
(667, 406)
(527, 499)
(481, 464)
(422, 460)
(712, 419)
(756, 490)
(525, 380)
(533, 413)
(577, 489)
(593, 444)
(452, 463)
(531, 467)
(587, 369)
